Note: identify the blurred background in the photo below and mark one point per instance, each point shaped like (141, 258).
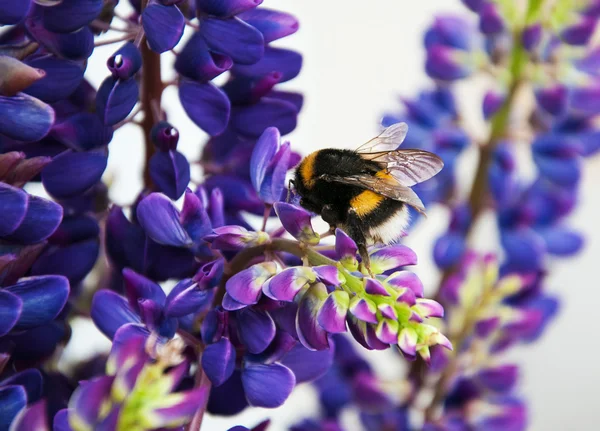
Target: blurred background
(360, 59)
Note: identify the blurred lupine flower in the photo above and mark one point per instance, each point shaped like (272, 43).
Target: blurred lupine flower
(450, 44)
(140, 388)
(433, 121)
(497, 312)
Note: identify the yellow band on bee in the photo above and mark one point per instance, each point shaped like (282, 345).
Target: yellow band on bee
(306, 170)
(365, 202)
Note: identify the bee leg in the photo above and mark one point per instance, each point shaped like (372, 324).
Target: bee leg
(355, 231)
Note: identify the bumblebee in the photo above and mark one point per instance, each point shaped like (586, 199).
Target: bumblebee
(366, 192)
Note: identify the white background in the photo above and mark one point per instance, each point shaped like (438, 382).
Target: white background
(359, 58)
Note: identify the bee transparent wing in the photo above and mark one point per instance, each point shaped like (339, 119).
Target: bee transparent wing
(408, 167)
(388, 140)
(387, 187)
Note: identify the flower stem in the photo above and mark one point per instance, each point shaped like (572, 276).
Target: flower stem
(152, 88)
(478, 199)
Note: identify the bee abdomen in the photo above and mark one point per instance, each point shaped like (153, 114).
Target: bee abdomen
(365, 203)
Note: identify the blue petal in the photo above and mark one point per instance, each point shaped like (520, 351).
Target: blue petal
(33, 418)
(43, 298)
(77, 45)
(272, 24)
(263, 153)
(58, 177)
(163, 26)
(69, 15)
(226, 8)
(38, 343)
(125, 62)
(12, 12)
(308, 365)
(561, 241)
(138, 287)
(228, 399)
(10, 310)
(267, 385)
(13, 207)
(234, 38)
(160, 220)
(449, 249)
(110, 311)
(73, 261)
(25, 118)
(285, 61)
(12, 400)
(187, 297)
(252, 120)
(194, 218)
(240, 194)
(218, 361)
(82, 132)
(41, 220)
(560, 170)
(197, 62)
(171, 173)
(31, 380)
(524, 249)
(256, 329)
(61, 80)
(115, 99)
(61, 421)
(206, 105)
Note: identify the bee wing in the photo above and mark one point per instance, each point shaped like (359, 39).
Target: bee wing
(388, 140)
(387, 187)
(409, 166)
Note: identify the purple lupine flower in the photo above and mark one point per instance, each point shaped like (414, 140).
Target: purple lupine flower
(268, 166)
(136, 389)
(432, 118)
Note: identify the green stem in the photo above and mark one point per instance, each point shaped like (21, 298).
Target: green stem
(478, 198)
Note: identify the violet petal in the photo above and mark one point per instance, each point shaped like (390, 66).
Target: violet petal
(206, 105)
(69, 15)
(25, 118)
(12, 400)
(285, 61)
(115, 99)
(218, 361)
(61, 79)
(88, 168)
(163, 26)
(42, 219)
(160, 220)
(224, 9)
(246, 285)
(43, 297)
(170, 171)
(310, 333)
(10, 310)
(186, 297)
(110, 311)
(13, 207)
(267, 385)
(252, 120)
(256, 329)
(308, 365)
(332, 315)
(272, 24)
(234, 38)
